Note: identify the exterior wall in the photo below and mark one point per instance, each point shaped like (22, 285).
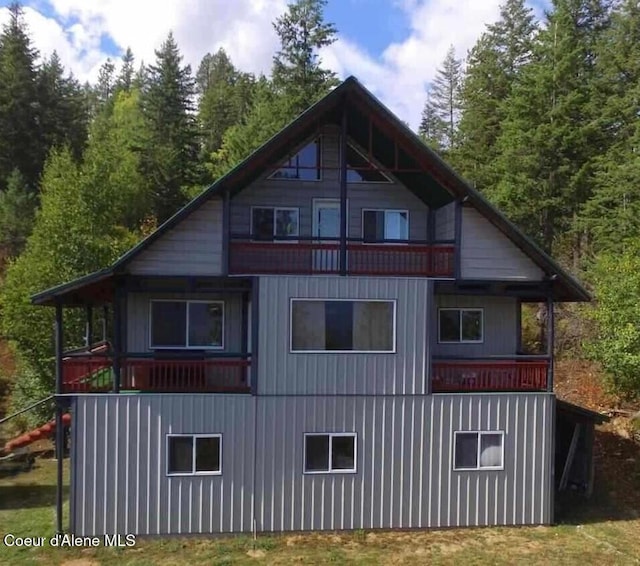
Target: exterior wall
(281, 372)
(500, 326)
(193, 247)
(488, 254)
(404, 474)
(300, 194)
(138, 318)
(445, 219)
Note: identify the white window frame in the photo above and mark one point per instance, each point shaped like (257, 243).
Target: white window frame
(302, 146)
(461, 310)
(478, 467)
(275, 209)
(385, 210)
(193, 460)
(388, 179)
(331, 435)
(324, 300)
(186, 346)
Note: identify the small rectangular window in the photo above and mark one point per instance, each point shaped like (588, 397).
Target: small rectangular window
(385, 225)
(480, 450)
(342, 326)
(268, 223)
(194, 454)
(460, 325)
(186, 324)
(329, 453)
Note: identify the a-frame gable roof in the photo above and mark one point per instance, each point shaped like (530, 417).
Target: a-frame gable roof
(436, 182)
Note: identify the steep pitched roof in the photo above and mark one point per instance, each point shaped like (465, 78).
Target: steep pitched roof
(438, 185)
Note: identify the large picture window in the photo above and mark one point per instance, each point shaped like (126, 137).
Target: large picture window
(382, 225)
(460, 325)
(342, 326)
(194, 454)
(270, 222)
(478, 450)
(303, 165)
(187, 324)
(329, 453)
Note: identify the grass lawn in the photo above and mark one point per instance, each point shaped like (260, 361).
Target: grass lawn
(596, 536)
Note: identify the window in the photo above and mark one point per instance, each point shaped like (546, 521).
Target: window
(460, 325)
(304, 165)
(267, 222)
(187, 324)
(194, 454)
(342, 326)
(478, 451)
(381, 225)
(329, 453)
(361, 170)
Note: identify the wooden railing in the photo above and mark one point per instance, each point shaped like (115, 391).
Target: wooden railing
(449, 376)
(94, 373)
(314, 258)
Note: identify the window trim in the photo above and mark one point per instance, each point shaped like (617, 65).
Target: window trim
(461, 310)
(275, 208)
(478, 467)
(290, 155)
(324, 300)
(186, 346)
(375, 167)
(385, 210)
(193, 458)
(331, 435)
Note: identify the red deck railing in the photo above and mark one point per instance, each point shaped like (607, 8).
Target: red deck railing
(85, 374)
(451, 376)
(309, 258)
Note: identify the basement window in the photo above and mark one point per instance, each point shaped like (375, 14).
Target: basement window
(478, 450)
(460, 326)
(194, 454)
(329, 453)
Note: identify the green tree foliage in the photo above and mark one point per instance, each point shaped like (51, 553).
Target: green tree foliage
(170, 158)
(442, 110)
(17, 207)
(126, 76)
(616, 318)
(225, 97)
(493, 67)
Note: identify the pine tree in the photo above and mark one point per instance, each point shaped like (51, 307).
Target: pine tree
(17, 207)
(443, 102)
(297, 73)
(431, 125)
(20, 144)
(127, 72)
(170, 160)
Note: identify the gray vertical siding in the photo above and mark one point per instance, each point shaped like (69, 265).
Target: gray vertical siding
(193, 247)
(281, 372)
(500, 326)
(488, 254)
(300, 194)
(138, 318)
(404, 472)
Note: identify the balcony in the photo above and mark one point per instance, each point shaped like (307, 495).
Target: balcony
(519, 374)
(313, 257)
(92, 372)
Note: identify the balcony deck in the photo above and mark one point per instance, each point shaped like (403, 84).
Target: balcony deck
(408, 259)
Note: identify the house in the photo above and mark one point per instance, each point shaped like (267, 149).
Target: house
(328, 337)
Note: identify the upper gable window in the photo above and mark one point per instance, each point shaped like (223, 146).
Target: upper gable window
(361, 170)
(303, 166)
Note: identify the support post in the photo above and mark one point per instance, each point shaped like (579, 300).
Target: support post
(432, 329)
(519, 326)
(226, 205)
(117, 335)
(59, 346)
(105, 317)
(457, 269)
(88, 335)
(550, 342)
(244, 331)
(343, 192)
(255, 333)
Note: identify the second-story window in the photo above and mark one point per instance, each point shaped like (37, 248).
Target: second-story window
(342, 326)
(270, 222)
(303, 165)
(187, 324)
(460, 325)
(383, 225)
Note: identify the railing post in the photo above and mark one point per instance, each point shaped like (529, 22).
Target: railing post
(550, 342)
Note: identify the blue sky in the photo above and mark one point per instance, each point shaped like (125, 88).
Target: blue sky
(392, 46)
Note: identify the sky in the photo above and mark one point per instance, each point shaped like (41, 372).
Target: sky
(392, 46)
